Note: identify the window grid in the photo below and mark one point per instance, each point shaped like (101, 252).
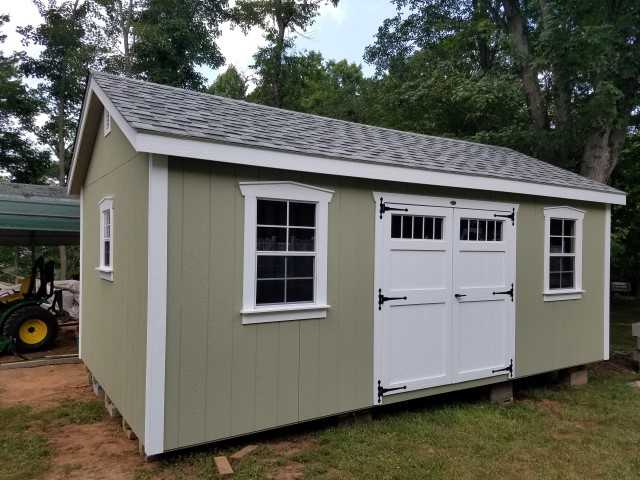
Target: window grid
(562, 252)
(480, 230)
(417, 227)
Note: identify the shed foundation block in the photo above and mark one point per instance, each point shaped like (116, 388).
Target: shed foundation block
(111, 408)
(574, 377)
(501, 393)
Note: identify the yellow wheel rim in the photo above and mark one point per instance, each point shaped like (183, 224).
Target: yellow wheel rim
(33, 331)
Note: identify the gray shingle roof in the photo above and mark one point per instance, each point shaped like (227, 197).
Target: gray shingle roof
(28, 190)
(160, 109)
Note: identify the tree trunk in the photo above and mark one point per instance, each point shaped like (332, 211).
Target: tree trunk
(62, 177)
(601, 153)
(528, 75)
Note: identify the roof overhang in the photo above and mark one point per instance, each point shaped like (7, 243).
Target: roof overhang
(155, 143)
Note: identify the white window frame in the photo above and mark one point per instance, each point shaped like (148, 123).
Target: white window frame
(563, 213)
(105, 271)
(106, 122)
(291, 191)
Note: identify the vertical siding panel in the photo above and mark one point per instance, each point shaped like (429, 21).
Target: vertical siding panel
(174, 306)
(266, 374)
(222, 304)
(195, 267)
(288, 371)
(310, 366)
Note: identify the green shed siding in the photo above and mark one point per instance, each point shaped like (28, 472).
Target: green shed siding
(226, 379)
(114, 314)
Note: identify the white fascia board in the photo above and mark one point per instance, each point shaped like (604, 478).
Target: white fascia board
(607, 280)
(242, 155)
(156, 305)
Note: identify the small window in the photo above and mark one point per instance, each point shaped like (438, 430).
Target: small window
(563, 253)
(480, 230)
(105, 266)
(416, 227)
(285, 252)
(106, 122)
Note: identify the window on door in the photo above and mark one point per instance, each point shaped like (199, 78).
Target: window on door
(417, 227)
(480, 230)
(563, 253)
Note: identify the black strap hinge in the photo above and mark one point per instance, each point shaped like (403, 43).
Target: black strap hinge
(382, 390)
(508, 368)
(384, 208)
(506, 292)
(382, 299)
(511, 216)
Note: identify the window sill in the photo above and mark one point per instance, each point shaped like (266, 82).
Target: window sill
(105, 273)
(556, 295)
(283, 314)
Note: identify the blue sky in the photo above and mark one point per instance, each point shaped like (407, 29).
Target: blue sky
(339, 32)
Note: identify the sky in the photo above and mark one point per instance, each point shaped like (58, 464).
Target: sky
(338, 32)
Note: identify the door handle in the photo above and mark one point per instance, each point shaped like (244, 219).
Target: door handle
(460, 295)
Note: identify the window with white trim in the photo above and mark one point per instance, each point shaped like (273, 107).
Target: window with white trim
(285, 251)
(105, 264)
(106, 123)
(563, 253)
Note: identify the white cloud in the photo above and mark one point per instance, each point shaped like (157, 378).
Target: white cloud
(333, 14)
(21, 13)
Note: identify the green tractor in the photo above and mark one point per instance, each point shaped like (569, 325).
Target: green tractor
(26, 323)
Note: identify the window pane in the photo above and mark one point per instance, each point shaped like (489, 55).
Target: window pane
(302, 239)
(568, 245)
(270, 266)
(417, 227)
(302, 214)
(556, 226)
(567, 264)
(299, 291)
(272, 212)
(464, 229)
(499, 231)
(269, 291)
(407, 226)
(556, 264)
(569, 228)
(107, 253)
(555, 245)
(396, 226)
(271, 239)
(437, 234)
(300, 266)
(428, 228)
(567, 280)
(482, 230)
(491, 230)
(473, 230)
(554, 280)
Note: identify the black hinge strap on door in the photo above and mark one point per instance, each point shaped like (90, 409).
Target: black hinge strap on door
(511, 216)
(384, 208)
(382, 390)
(508, 368)
(506, 292)
(382, 298)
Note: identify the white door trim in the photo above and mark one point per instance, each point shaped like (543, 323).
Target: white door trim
(379, 249)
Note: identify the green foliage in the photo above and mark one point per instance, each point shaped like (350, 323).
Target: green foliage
(174, 37)
(19, 156)
(230, 83)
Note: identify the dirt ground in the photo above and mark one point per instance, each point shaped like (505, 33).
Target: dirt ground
(88, 452)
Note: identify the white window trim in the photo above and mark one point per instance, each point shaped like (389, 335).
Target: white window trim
(106, 122)
(252, 191)
(568, 213)
(105, 271)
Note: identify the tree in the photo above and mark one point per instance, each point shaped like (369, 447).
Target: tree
(230, 83)
(174, 37)
(279, 18)
(576, 63)
(19, 157)
(119, 17)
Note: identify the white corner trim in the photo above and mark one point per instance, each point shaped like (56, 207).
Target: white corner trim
(156, 305)
(81, 303)
(607, 282)
(251, 191)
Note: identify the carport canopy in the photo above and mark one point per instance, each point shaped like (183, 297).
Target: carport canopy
(38, 215)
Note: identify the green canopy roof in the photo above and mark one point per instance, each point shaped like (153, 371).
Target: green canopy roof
(38, 215)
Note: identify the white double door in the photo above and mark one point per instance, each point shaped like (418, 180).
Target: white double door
(444, 309)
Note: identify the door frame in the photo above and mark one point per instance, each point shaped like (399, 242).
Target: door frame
(429, 201)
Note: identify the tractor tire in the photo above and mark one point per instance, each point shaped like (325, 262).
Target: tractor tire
(32, 328)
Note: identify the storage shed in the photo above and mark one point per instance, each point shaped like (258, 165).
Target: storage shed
(246, 267)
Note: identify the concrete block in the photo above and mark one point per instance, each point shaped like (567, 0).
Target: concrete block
(635, 329)
(243, 452)
(502, 393)
(223, 466)
(574, 377)
(111, 408)
(130, 434)
(97, 388)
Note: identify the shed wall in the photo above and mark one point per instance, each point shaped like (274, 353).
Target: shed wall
(226, 379)
(114, 314)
